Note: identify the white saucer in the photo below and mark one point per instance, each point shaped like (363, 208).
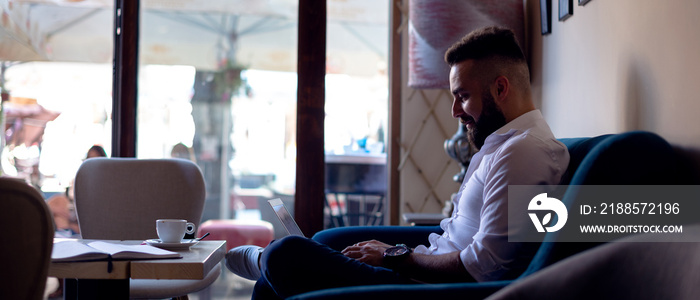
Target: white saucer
(184, 244)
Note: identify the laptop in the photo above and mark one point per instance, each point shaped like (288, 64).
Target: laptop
(285, 218)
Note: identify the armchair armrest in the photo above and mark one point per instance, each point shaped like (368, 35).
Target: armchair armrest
(471, 290)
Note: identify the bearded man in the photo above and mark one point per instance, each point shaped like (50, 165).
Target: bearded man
(490, 82)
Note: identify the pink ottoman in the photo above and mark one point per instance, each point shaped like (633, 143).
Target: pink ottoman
(238, 232)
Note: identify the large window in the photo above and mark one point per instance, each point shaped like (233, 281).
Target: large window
(216, 84)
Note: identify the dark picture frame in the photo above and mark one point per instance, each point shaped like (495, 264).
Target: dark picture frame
(583, 2)
(546, 16)
(566, 9)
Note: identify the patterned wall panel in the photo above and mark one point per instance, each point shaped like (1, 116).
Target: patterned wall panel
(426, 170)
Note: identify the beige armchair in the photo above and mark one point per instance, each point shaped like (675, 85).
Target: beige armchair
(26, 253)
(121, 198)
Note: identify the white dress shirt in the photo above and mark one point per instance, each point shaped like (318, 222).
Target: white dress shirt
(523, 152)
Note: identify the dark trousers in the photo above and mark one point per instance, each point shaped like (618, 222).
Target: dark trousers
(295, 265)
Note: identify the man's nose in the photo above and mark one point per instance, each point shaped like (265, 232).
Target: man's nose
(457, 110)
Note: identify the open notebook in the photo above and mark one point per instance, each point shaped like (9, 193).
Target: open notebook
(65, 251)
(285, 218)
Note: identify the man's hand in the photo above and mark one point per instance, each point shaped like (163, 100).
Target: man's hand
(369, 252)
(446, 267)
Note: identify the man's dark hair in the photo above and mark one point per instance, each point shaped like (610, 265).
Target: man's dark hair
(484, 43)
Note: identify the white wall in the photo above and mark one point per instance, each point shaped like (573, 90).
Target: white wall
(620, 65)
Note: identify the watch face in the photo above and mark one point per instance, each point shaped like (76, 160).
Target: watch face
(396, 251)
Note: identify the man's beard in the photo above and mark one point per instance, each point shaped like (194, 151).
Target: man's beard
(490, 120)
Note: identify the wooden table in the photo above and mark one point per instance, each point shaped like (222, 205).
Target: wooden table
(93, 279)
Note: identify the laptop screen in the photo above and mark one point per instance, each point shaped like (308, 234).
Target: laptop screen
(285, 218)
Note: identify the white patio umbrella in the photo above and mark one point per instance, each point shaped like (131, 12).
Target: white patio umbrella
(201, 33)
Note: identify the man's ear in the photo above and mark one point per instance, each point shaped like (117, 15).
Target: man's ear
(500, 89)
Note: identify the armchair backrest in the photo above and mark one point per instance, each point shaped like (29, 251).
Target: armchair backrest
(26, 255)
(121, 198)
(631, 158)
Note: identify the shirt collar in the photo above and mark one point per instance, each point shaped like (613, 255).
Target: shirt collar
(526, 120)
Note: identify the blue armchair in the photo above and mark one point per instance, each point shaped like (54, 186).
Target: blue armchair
(632, 158)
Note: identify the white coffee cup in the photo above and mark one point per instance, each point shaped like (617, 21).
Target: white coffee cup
(173, 230)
